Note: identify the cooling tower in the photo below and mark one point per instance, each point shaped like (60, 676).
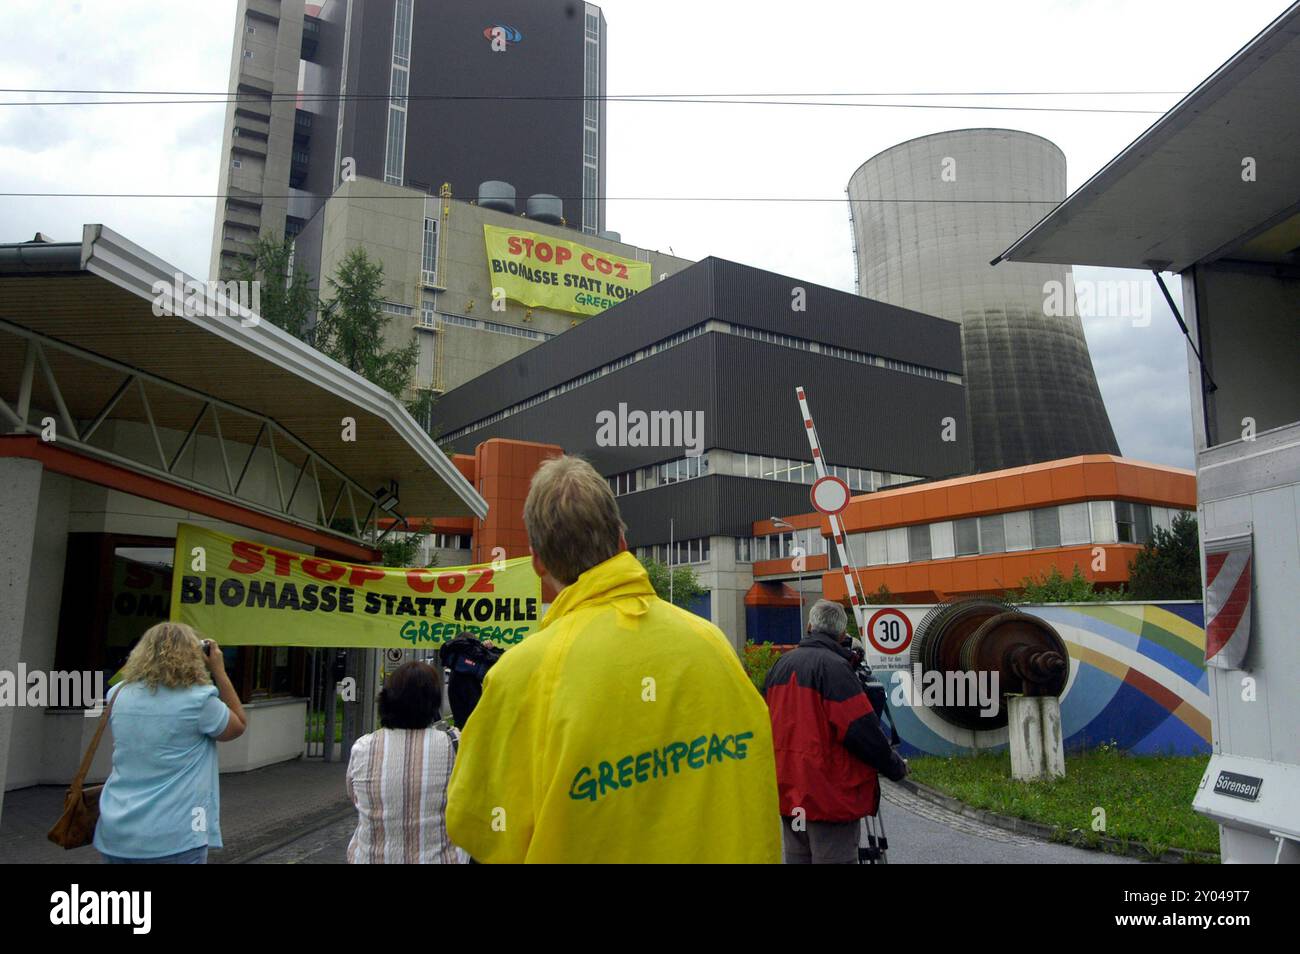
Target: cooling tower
(946, 205)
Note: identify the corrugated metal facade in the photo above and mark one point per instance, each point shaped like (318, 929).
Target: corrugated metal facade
(713, 288)
(867, 416)
(707, 506)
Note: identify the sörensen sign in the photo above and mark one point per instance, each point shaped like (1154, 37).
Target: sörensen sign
(244, 593)
(545, 272)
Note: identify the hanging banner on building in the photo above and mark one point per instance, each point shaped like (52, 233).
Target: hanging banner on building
(546, 272)
(243, 593)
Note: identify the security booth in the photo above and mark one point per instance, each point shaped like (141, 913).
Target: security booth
(134, 400)
(1211, 193)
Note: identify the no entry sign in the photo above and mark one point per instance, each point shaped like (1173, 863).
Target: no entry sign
(829, 494)
(889, 632)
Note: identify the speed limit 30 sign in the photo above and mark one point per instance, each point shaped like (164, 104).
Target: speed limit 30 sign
(889, 632)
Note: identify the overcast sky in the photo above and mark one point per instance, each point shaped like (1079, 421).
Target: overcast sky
(671, 150)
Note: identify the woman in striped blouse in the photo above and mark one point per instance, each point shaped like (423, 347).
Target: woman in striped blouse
(397, 777)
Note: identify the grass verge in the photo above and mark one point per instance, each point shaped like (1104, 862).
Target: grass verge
(1147, 799)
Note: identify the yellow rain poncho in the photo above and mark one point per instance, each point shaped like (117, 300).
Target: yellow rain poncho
(623, 730)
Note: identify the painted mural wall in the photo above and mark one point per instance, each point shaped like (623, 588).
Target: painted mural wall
(1137, 680)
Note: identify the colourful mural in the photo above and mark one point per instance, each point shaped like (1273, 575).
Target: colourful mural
(1137, 680)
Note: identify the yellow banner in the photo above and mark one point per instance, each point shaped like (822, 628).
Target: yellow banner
(545, 272)
(243, 593)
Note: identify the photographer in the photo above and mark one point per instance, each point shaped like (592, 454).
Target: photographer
(162, 801)
(829, 744)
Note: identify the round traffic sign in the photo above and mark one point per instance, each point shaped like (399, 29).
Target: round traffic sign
(829, 494)
(890, 631)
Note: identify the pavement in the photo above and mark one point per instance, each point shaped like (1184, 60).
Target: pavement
(298, 813)
(919, 831)
(260, 810)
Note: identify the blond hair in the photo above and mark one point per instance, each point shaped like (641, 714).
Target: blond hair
(572, 518)
(168, 654)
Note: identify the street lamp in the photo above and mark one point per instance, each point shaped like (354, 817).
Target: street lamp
(779, 523)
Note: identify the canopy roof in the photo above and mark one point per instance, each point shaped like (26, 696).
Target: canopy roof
(1177, 196)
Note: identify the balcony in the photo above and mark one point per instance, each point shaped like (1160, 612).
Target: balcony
(302, 125)
(265, 9)
(242, 141)
(311, 30)
(241, 215)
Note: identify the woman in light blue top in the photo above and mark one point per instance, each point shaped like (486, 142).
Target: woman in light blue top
(161, 803)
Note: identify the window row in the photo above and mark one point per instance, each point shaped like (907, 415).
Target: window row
(1096, 521)
(781, 546)
(803, 472)
(835, 351)
(659, 475)
(677, 553)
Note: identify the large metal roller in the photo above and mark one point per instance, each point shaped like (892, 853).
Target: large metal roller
(984, 635)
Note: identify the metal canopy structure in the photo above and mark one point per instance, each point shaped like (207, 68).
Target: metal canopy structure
(78, 336)
(1177, 196)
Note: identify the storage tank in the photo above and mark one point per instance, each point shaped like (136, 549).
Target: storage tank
(1031, 390)
(546, 208)
(498, 195)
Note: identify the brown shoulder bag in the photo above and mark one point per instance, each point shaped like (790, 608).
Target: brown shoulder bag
(76, 826)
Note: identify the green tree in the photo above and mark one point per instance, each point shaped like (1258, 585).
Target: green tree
(1054, 587)
(285, 302)
(402, 547)
(686, 586)
(882, 597)
(757, 659)
(1169, 566)
(351, 327)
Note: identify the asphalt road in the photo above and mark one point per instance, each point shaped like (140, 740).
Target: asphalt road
(919, 832)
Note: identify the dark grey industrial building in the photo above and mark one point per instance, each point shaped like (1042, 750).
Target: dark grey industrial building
(414, 94)
(726, 340)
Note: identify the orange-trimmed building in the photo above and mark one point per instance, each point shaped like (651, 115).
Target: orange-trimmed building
(987, 532)
(926, 542)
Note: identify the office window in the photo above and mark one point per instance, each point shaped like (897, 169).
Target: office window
(1075, 525)
(1047, 527)
(918, 542)
(1125, 528)
(992, 534)
(1161, 518)
(429, 258)
(394, 158)
(941, 541)
(402, 32)
(1103, 521)
(1141, 524)
(869, 547)
(896, 544)
(967, 535)
(1016, 530)
(744, 550)
(398, 86)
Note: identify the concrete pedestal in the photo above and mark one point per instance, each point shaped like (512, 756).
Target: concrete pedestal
(1034, 733)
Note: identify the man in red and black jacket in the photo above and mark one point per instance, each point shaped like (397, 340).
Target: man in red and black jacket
(829, 744)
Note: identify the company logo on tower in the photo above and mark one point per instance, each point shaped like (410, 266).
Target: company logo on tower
(501, 33)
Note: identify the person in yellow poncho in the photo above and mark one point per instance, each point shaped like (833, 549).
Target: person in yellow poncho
(625, 728)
